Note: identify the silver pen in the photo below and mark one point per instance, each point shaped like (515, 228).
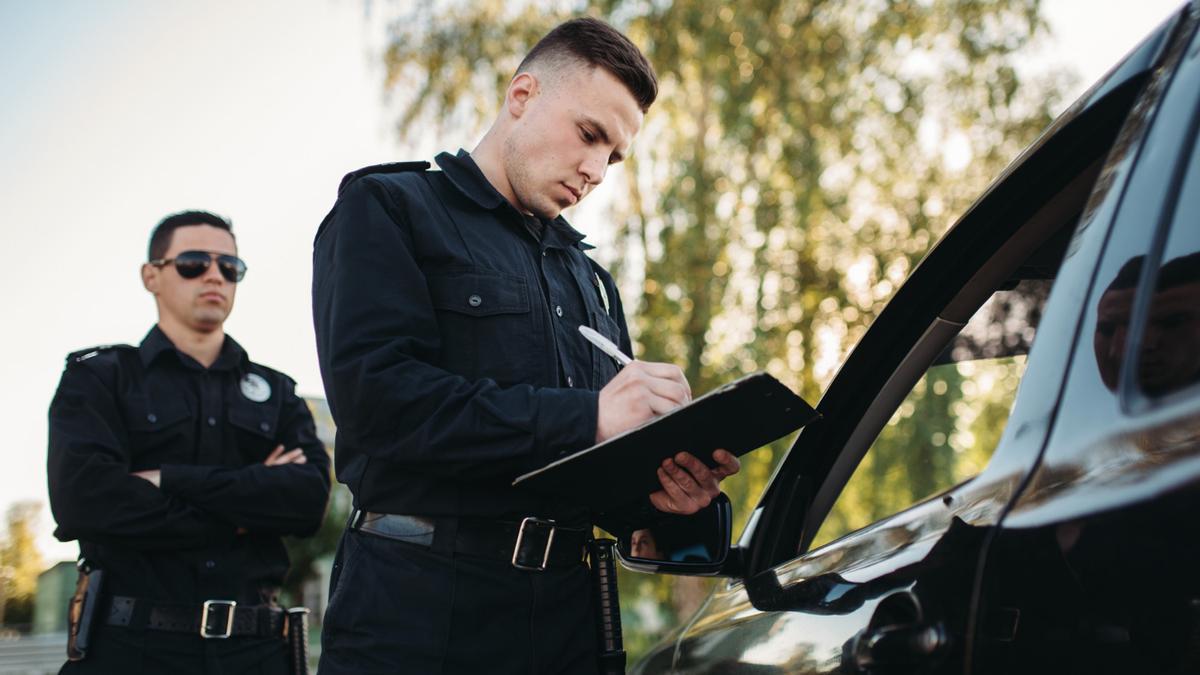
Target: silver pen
(605, 345)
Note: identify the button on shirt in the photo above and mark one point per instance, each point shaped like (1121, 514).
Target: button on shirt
(123, 409)
(447, 332)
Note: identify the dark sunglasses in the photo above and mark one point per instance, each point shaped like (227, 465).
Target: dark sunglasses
(192, 264)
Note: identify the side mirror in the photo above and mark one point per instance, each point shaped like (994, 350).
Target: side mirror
(694, 545)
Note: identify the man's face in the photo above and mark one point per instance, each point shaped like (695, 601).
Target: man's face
(642, 545)
(1168, 358)
(199, 304)
(568, 134)
(1170, 350)
(1112, 326)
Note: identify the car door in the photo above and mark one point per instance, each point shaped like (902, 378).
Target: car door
(1094, 569)
(839, 577)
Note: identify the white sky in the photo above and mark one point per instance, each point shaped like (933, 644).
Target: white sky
(117, 113)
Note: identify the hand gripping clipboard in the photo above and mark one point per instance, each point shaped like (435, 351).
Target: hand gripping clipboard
(740, 416)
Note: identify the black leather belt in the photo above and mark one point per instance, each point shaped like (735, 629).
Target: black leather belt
(212, 619)
(532, 544)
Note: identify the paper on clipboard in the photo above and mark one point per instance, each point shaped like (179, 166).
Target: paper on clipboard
(740, 416)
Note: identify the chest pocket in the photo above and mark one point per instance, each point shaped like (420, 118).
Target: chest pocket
(255, 425)
(486, 325)
(159, 433)
(604, 367)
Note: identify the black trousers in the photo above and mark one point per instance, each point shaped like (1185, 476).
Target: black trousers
(396, 607)
(127, 651)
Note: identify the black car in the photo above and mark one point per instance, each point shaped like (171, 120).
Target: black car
(1034, 387)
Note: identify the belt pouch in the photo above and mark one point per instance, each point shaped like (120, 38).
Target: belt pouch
(81, 613)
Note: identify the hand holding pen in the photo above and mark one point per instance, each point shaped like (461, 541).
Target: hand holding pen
(641, 391)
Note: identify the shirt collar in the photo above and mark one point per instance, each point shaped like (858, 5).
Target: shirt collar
(466, 175)
(156, 343)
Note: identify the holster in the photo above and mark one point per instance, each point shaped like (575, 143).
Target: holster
(81, 612)
(297, 640)
(610, 652)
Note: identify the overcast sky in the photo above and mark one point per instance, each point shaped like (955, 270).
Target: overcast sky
(117, 113)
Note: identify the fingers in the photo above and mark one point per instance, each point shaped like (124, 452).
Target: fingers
(153, 476)
(664, 379)
(685, 492)
(640, 392)
(667, 372)
(688, 485)
(695, 471)
(660, 405)
(293, 456)
(727, 463)
(669, 389)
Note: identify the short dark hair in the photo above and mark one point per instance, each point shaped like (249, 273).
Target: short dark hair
(1127, 277)
(1175, 272)
(596, 43)
(160, 237)
(1179, 271)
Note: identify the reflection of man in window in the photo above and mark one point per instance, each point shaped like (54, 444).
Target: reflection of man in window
(643, 545)
(1170, 345)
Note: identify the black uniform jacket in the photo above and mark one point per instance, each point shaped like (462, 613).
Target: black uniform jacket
(122, 409)
(447, 332)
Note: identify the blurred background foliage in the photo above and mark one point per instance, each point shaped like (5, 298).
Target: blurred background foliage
(802, 157)
(20, 564)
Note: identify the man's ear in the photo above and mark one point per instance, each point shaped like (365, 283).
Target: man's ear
(150, 278)
(523, 89)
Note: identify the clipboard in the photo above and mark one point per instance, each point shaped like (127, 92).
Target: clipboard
(740, 416)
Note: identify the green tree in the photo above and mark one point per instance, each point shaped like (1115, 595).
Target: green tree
(802, 156)
(20, 563)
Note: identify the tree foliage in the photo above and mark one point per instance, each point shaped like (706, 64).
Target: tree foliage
(801, 158)
(20, 563)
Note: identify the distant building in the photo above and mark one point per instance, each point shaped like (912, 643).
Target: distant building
(324, 420)
(55, 587)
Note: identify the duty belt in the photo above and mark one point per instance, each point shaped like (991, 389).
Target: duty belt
(534, 544)
(211, 619)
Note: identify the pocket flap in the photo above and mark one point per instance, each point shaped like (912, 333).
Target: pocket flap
(142, 415)
(259, 420)
(479, 293)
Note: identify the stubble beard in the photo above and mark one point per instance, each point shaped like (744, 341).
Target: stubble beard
(516, 170)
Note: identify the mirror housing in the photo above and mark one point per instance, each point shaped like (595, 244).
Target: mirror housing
(696, 545)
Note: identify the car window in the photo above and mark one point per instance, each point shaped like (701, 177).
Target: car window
(946, 428)
(1168, 351)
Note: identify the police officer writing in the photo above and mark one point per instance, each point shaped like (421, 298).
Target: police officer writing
(447, 305)
(178, 465)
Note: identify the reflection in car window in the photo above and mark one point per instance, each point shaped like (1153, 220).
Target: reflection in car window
(945, 430)
(1168, 355)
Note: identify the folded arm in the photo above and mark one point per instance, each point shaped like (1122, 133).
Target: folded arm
(275, 497)
(93, 496)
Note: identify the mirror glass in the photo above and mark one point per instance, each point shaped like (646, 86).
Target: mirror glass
(700, 539)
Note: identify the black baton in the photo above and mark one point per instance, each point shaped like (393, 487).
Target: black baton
(297, 638)
(611, 655)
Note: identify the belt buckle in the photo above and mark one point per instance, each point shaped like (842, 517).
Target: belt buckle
(230, 605)
(521, 537)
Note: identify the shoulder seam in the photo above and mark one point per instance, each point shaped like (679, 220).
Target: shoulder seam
(392, 167)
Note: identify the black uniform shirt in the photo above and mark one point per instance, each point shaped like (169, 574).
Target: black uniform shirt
(123, 409)
(447, 332)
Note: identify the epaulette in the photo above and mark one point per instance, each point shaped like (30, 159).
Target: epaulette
(85, 354)
(393, 167)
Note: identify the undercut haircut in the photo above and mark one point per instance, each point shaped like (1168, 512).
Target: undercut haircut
(160, 236)
(595, 43)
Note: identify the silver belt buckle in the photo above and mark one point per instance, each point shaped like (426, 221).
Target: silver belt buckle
(521, 537)
(230, 605)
